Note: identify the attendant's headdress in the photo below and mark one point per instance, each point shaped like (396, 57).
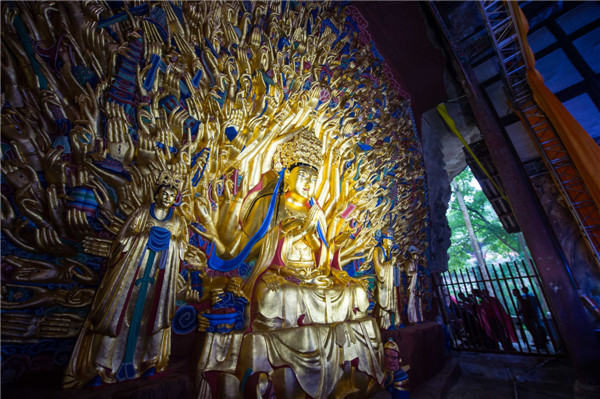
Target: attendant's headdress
(168, 178)
(391, 345)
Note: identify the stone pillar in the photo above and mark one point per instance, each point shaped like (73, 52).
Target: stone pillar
(438, 191)
(573, 324)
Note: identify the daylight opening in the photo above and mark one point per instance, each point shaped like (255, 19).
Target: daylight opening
(493, 300)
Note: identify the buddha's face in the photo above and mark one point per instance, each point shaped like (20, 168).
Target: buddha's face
(303, 181)
(166, 197)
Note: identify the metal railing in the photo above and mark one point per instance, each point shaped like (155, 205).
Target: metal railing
(498, 308)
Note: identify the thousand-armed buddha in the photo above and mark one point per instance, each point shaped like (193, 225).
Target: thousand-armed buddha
(293, 282)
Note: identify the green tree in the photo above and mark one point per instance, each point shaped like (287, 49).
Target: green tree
(495, 243)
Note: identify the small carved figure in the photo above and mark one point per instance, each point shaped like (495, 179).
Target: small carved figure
(227, 308)
(396, 381)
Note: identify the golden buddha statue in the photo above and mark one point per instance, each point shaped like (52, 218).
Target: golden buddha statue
(302, 305)
(293, 282)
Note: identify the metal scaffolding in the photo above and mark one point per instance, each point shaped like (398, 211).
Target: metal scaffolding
(500, 25)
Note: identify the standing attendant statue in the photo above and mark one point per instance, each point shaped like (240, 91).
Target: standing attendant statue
(127, 333)
(387, 280)
(414, 311)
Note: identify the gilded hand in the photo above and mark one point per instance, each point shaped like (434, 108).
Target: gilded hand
(185, 290)
(29, 270)
(146, 153)
(203, 323)
(79, 226)
(54, 168)
(273, 281)
(103, 199)
(292, 225)
(195, 258)
(24, 326)
(82, 140)
(97, 246)
(55, 209)
(47, 240)
(120, 145)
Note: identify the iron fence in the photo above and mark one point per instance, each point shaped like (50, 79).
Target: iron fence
(498, 308)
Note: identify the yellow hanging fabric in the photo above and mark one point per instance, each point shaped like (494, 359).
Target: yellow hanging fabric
(584, 151)
(441, 109)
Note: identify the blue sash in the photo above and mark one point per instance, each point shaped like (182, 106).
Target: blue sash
(216, 263)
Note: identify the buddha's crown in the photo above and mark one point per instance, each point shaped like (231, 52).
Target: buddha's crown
(304, 149)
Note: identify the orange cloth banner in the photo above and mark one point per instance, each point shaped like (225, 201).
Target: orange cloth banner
(584, 151)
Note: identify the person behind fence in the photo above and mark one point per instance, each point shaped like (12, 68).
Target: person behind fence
(532, 318)
(475, 335)
(485, 337)
(519, 312)
(495, 320)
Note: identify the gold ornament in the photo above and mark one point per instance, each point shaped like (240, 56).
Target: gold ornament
(304, 149)
(171, 179)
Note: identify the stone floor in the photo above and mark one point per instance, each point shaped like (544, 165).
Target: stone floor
(485, 376)
(463, 376)
(477, 388)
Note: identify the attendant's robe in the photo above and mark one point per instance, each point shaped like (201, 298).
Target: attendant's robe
(146, 256)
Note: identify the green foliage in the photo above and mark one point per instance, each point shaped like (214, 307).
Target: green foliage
(496, 244)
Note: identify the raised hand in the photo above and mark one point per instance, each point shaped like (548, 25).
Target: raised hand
(54, 168)
(120, 145)
(175, 122)
(141, 185)
(153, 43)
(103, 199)
(12, 227)
(97, 246)
(88, 103)
(82, 139)
(55, 209)
(47, 240)
(79, 226)
(28, 142)
(118, 183)
(165, 137)
(195, 258)
(185, 290)
(22, 326)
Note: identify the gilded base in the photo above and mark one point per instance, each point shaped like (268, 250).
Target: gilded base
(332, 360)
